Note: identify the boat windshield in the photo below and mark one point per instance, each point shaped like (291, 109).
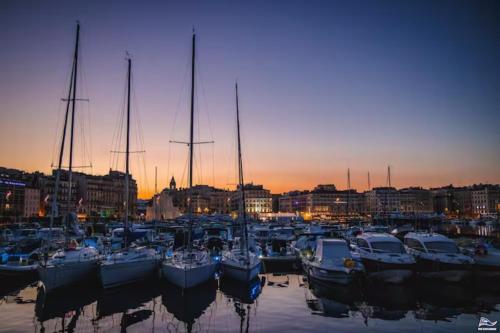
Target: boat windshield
(335, 250)
(387, 247)
(441, 247)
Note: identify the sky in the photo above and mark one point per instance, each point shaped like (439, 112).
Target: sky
(323, 86)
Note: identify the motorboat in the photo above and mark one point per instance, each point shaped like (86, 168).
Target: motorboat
(21, 260)
(305, 245)
(486, 258)
(438, 257)
(333, 262)
(278, 256)
(384, 257)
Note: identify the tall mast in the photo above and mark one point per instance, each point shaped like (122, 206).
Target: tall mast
(191, 130)
(348, 189)
(72, 128)
(369, 182)
(156, 179)
(54, 207)
(244, 244)
(389, 176)
(127, 152)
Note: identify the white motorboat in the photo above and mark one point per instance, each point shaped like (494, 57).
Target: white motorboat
(384, 257)
(21, 260)
(438, 257)
(129, 265)
(333, 262)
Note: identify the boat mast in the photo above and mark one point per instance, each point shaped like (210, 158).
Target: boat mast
(127, 154)
(54, 207)
(72, 128)
(348, 191)
(242, 207)
(191, 131)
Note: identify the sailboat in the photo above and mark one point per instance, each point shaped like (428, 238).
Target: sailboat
(188, 267)
(73, 263)
(240, 263)
(131, 263)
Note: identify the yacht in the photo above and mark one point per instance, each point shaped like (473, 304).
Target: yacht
(131, 263)
(68, 266)
(72, 263)
(333, 262)
(384, 257)
(240, 263)
(438, 257)
(187, 266)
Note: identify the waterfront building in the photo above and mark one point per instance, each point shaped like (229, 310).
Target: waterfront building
(382, 201)
(258, 200)
(485, 199)
(323, 201)
(90, 195)
(31, 202)
(415, 200)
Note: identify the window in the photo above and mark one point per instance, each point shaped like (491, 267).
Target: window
(388, 247)
(363, 244)
(414, 244)
(442, 247)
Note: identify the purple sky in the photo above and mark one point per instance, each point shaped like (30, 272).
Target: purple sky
(324, 86)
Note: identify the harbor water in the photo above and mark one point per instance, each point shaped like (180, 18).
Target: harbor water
(273, 303)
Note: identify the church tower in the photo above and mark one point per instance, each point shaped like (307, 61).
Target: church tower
(173, 185)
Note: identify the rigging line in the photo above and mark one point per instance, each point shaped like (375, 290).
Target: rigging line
(181, 95)
(168, 162)
(213, 165)
(55, 137)
(84, 85)
(204, 95)
(198, 129)
(184, 171)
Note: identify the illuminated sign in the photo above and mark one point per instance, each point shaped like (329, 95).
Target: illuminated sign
(11, 182)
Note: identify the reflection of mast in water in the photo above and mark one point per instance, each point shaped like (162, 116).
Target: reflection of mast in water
(56, 305)
(189, 304)
(244, 296)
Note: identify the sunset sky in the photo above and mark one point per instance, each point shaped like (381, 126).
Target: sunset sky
(324, 86)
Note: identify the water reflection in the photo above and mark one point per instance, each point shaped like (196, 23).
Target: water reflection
(188, 305)
(243, 296)
(426, 300)
(269, 302)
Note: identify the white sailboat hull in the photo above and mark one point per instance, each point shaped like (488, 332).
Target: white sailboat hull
(240, 272)
(188, 276)
(58, 276)
(115, 274)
